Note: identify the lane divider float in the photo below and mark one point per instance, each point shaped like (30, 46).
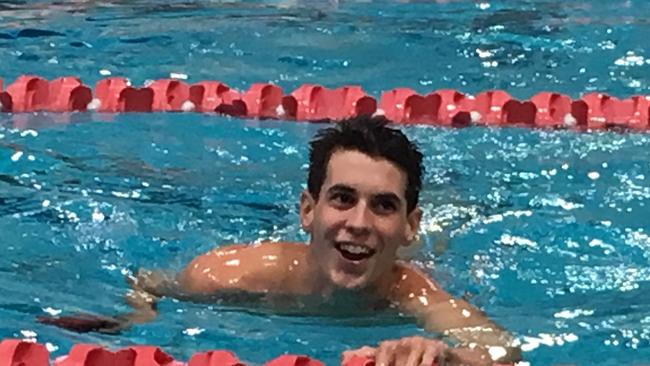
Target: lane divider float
(311, 102)
(14, 352)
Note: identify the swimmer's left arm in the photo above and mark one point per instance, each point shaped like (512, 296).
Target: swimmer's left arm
(479, 339)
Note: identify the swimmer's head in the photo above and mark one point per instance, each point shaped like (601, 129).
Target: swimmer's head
(371, 136)
(360, 207)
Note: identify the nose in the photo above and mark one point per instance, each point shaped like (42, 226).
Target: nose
(359, 219)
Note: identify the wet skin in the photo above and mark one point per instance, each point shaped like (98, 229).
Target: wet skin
(356, 225)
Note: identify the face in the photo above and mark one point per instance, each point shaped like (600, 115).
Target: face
(359, 220)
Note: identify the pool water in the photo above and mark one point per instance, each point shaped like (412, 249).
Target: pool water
(546, 231)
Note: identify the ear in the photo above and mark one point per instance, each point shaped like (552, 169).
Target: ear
(412, 225)
(307, 206)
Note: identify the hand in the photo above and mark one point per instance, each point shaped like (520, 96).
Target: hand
(408, 351)
(151, 282)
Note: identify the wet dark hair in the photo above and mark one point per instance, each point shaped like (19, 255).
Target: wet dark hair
(373, 137)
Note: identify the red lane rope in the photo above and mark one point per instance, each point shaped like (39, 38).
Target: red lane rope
(15, 352)
(446, 107)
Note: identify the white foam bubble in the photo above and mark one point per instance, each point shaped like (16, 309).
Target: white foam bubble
(593, 175)
(570, 314)
(569, 120)
(29, 133)
(280, 111)
(94, 104)
(188, 106)
(178, 75)
(28, 333)
(52, 311)
(16, 156)
(193, 331)
(51, 347)
(97, 216)
(497, 352)
(475, 116)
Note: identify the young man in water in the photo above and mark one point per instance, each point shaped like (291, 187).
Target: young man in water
(360, 207)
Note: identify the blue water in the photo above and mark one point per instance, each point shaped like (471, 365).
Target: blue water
(545, 231)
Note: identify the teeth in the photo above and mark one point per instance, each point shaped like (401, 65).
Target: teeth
(355, 249)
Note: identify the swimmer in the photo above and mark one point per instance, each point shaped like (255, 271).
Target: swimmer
(360, 207)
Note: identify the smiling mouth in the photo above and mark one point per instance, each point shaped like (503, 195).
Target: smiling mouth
(354, 252)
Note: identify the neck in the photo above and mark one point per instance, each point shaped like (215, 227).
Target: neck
(319, 283)
(316, 281)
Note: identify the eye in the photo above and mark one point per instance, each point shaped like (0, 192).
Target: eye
(385, 205)
(342, 198)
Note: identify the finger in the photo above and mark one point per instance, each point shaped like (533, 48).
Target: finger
(442, 357)
(346, 356)
(415, 354)
(138, 278)
(385, 354)
(434, 353)
(365, 351)
(131, 280)
(140, 299)
(429, 357)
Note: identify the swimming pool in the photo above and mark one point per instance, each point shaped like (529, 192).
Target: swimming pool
(547, 230)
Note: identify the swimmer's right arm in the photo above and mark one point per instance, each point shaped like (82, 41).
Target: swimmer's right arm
(233, 267)
(224, 268)
(142, 301)
(147, 288)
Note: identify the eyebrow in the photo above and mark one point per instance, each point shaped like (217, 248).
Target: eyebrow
(341, 188)
(388, 196)
(382, 195)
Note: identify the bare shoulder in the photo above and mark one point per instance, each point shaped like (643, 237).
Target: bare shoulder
(418, 294)
(412, 282)
(249, 267)
(256, 249)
